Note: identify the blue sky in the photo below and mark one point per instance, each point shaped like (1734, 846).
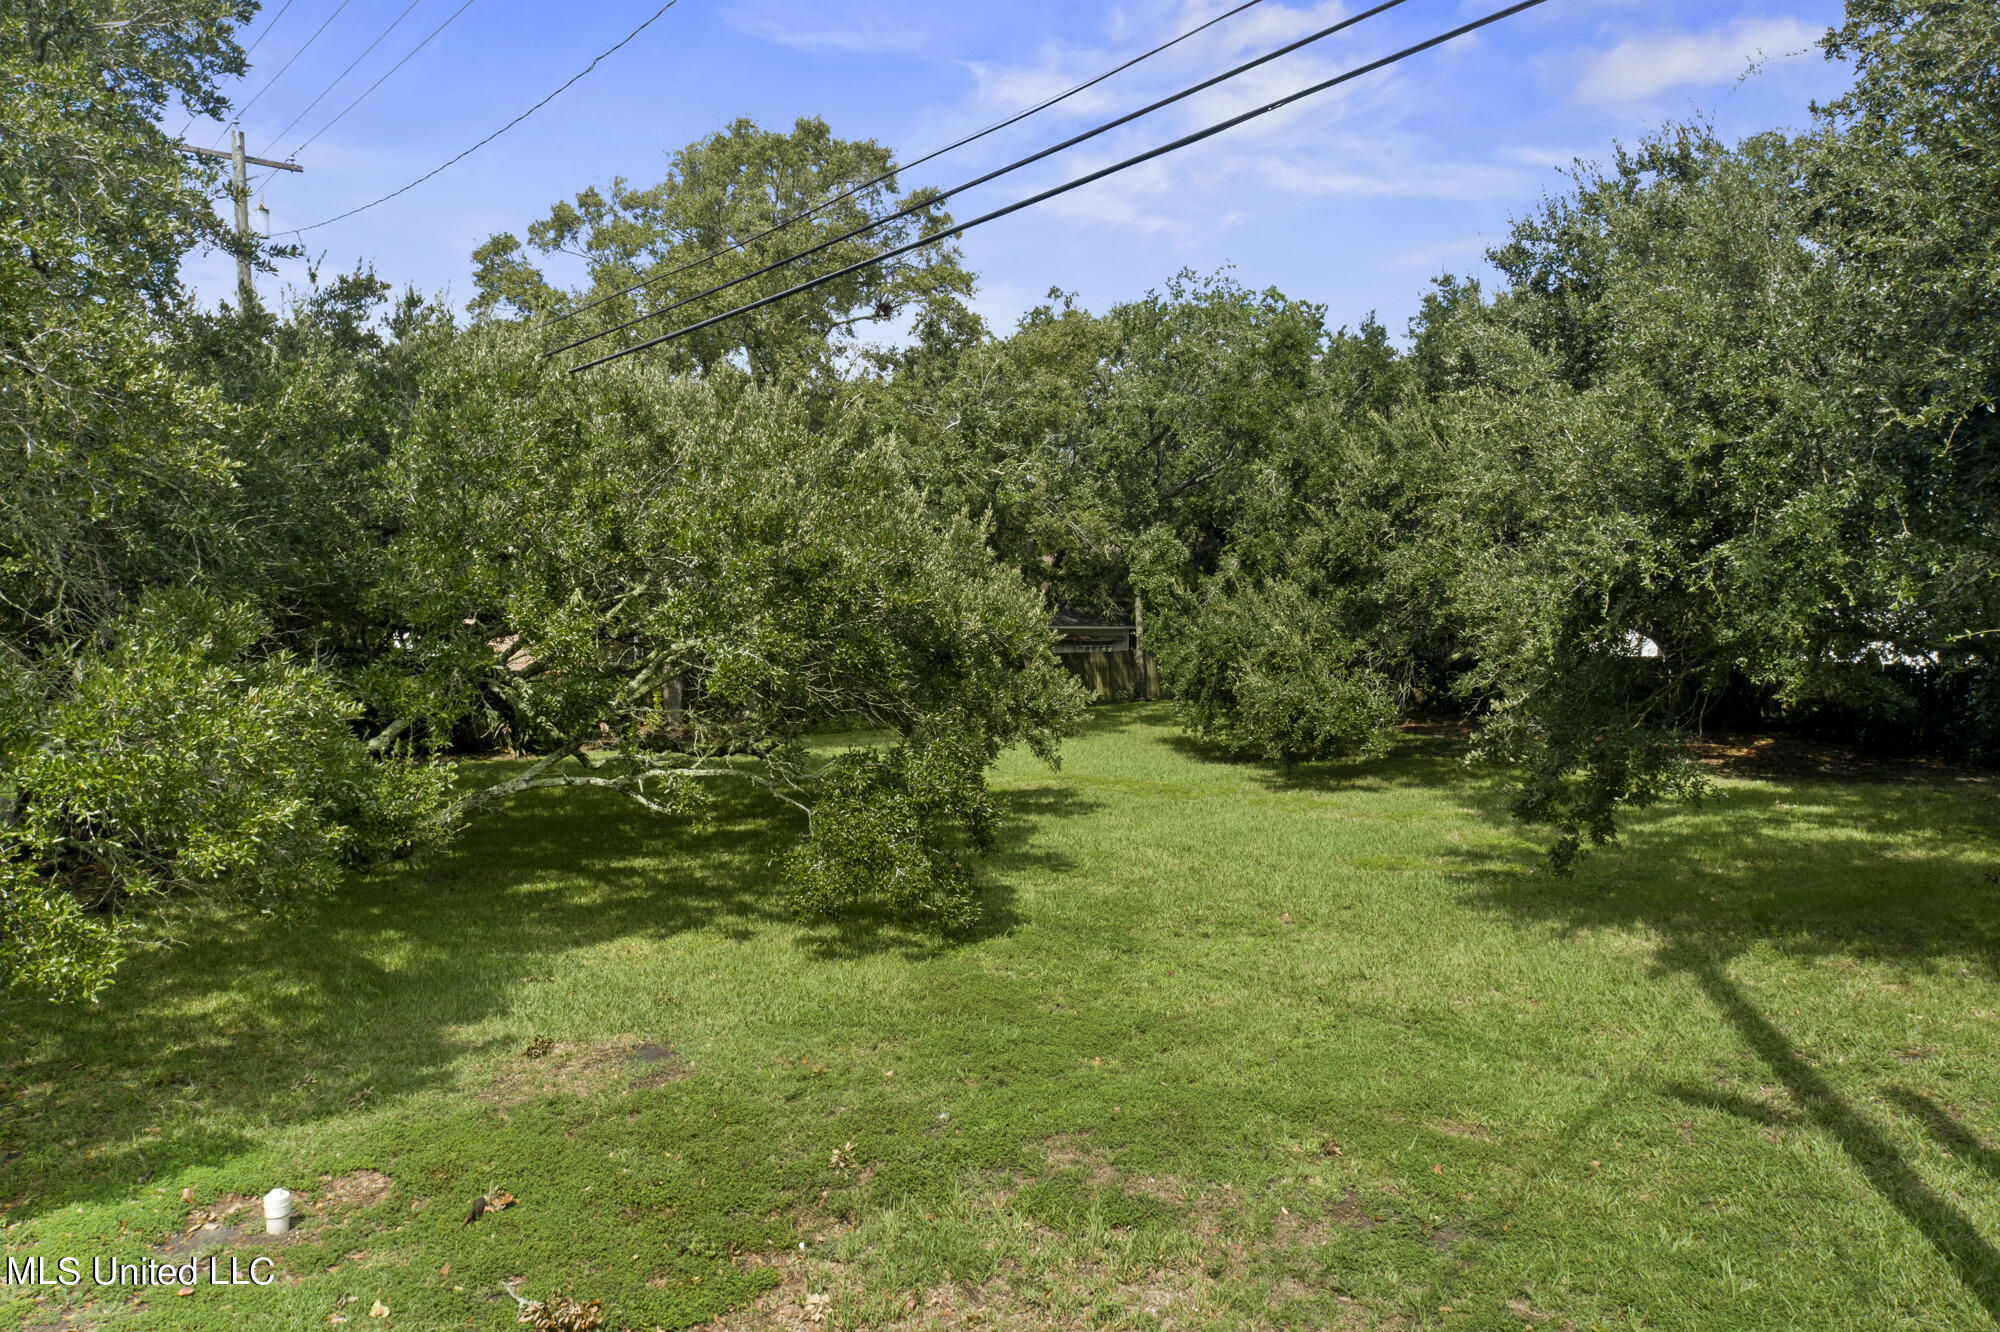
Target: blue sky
(1353, 199)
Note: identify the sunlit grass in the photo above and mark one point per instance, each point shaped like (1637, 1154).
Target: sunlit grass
(1239, 1047)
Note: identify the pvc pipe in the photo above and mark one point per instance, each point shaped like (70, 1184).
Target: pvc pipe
(278, 1211)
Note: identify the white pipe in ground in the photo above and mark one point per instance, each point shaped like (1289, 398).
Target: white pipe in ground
(278, 1211)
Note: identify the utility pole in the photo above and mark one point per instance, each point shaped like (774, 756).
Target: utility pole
(239, 178)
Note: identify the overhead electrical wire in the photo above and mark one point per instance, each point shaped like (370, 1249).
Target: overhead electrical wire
(251, 49)
(380, 38)
(379, 82)
(288, 64)
(928, 199)
(247, 52)
(959, 228)
(853, 190)
(299, 231)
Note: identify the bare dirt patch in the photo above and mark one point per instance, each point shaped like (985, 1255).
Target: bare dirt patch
(229, 1222)
(357, 1188)
(1350, 1213)
(583, 1069)
(236, 1220)
(1287, 1290)
(657, 1065)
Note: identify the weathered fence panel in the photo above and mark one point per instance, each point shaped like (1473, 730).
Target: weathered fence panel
(1115, 674)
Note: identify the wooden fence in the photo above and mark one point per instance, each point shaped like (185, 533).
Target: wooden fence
(1115, 674)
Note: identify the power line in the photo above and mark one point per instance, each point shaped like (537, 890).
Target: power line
(252, 48)
(906, 166)
(1066, 187)
(379, 82)
(289, 63)
(928, 200)
(299, 231)
(247, 52)
(343, 74)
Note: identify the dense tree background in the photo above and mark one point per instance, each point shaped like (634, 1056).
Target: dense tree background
(1717, 449)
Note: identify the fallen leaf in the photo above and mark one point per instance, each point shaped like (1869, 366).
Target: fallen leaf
(378, 1310)
(187, 1195)
(445, 1270)
(1439, 1170)
(185, 1290)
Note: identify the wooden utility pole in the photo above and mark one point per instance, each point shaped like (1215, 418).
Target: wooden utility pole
(239, 176)
(240, 182)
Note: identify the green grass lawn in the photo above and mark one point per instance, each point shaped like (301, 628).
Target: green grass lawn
(1239, 1047)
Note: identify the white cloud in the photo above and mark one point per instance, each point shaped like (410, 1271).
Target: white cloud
(1638, 68)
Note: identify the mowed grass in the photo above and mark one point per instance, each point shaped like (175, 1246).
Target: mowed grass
(1238, 1048)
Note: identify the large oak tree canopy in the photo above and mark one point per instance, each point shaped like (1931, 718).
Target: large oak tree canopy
(674, 583)
(718, 197)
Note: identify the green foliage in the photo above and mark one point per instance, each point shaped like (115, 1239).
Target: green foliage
(1078, 433)
(187, 522)
(894, 829)
(184, 759)
(693, 579)
(1264, 669)
(718, 193)
(309, 401)
(109, 479)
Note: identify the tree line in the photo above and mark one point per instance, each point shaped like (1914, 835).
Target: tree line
(1719, 445)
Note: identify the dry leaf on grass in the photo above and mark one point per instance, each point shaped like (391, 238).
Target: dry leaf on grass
(560, 1313)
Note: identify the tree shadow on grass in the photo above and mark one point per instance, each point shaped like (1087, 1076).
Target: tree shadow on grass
(1418, 757)
(1890, 875)
(1947, 1229)
(1947, 1132)
(1894, 876)
(357, 1000)
(371, 996)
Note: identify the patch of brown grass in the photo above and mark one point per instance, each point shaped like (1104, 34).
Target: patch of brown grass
(1460, 1128)
(1073, 1151)
(583, 1070)
(356, 1188)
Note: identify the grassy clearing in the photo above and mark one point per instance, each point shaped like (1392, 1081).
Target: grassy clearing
(1240, 1048)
